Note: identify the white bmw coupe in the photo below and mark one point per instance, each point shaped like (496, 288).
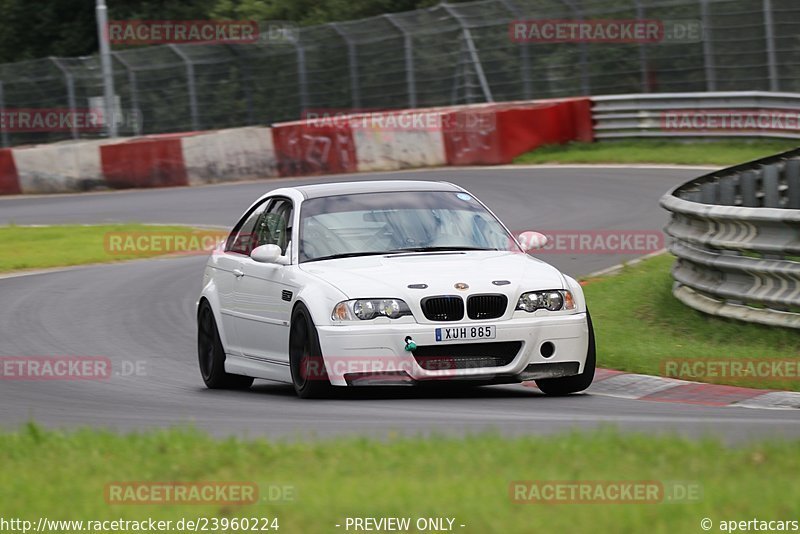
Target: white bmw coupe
(383, 283)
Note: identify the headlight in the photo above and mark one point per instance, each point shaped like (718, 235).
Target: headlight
(553, 300)
(366, 309)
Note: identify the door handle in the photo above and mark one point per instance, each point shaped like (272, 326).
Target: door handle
(238, 273)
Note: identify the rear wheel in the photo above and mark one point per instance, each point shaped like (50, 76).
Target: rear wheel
(211, 354)
(573, 384)
(309, 376)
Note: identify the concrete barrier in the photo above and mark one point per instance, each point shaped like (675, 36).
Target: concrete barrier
(9, 179)
(59, 168)
(144, 162)
(228, 155)
(493, 135)
(302, 149)
(380, 147)
(462, 135)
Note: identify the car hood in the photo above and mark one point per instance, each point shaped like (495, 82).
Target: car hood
(390, 276)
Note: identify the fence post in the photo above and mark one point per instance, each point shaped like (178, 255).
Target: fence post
(473, 52)
(245, 81)
(352, 61)
(190, 83)
(586, 88)
(70, 81)
(524, 54)
(302, 80)
(460, 71)
(408, 50)
(107, 68)
(769, 35)
(643, 63)
(134, 88)
(3, 131)
(708, 47)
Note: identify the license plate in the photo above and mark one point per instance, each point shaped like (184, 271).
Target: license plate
(459, 333)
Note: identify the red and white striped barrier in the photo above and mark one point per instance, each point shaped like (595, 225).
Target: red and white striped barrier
(468, 135)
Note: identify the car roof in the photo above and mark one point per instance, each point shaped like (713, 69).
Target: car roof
(372, 186)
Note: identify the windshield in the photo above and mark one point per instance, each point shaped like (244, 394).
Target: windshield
(394, 222)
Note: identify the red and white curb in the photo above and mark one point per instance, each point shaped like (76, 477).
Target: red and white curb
(611, 383)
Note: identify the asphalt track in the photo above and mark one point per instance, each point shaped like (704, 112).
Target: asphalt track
(143, 312)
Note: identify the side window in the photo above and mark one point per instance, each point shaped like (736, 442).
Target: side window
(242, 239)
(275, 225)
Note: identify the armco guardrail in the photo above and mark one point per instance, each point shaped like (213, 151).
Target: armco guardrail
(736, 236)
(713, 114)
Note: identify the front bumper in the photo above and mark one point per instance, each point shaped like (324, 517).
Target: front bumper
(375, 353)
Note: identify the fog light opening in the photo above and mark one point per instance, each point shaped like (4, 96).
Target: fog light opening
(547, 349)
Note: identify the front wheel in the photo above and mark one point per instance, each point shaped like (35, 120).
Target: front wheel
(211, 354)
(573, 384)
(305, 357)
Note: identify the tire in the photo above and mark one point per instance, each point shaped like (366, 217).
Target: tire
(573, 384)
(309, 376)
(211, 354)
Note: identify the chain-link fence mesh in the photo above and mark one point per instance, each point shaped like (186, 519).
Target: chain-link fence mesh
(444, 55)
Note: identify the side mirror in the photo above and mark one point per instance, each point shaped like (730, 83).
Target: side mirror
(532, 241)
(268, 254)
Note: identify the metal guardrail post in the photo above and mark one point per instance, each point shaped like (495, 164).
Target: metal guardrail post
(792, 172)
(708, 47)
(3, 131)
(769, 181)
(352, 62)
(748, 181)
(193, 111)
(408, 51)
(134, 89)
(473, 52)
(70, 81)
(769, 36)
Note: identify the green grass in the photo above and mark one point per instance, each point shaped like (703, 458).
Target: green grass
(33, 247)
(639, 324)
(656, 151)
(63, 476)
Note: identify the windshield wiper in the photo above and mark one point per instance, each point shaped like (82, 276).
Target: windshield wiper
(395, 251)
(436, 249)
(346, 255)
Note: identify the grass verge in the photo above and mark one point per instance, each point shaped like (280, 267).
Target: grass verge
(639, 325)
(64, 476)
(723, 152)
(41, 247)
